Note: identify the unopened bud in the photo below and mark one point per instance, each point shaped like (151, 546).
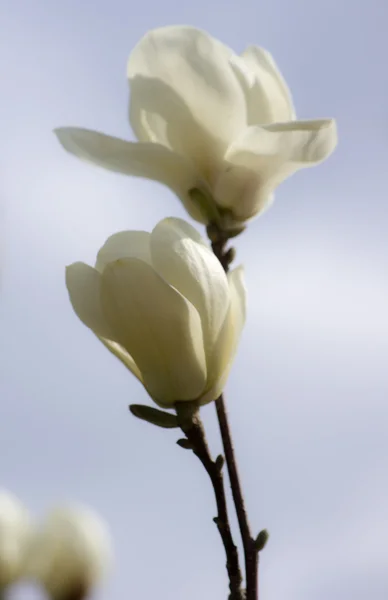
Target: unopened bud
(185, 443)
(261, 540)
(15, 533)
(230, 255)
(220, 462)
(70, 554)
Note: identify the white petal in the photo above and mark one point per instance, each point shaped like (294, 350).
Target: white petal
(195, 91)
(227, 343)
(152, 161)
(124, 244)
(238, 300)
(182, 258)
(158, 114)
(217, 389)
(304, 143)
(84, 287)
(122, 355)
(243, 190)
(264, 156)
(159, 328)
(183, 229)
(268, 96)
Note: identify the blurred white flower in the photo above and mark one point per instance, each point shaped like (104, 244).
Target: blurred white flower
(70, 553)
(208, 119)
(15, 532)
(163, 305)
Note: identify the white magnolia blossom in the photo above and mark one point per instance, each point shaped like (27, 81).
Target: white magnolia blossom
(163, 305)
(208, 119)
(15, 532)
(69, 553)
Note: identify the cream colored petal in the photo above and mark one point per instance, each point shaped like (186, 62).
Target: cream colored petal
(124, 244)
(158, 114)
(238, 298)
(303, 143)
(159, 328)
(194, 88)
(227, 343)
(122, 355)
(243, 189)
(269, 99)
(152, 161)
(263, 157)
(84, 287)
(217, 389)
(182, 258)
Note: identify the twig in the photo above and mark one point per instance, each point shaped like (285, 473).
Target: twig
(250, 553)
(219, 240)
(191, 424)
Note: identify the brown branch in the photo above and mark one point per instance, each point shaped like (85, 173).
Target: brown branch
(250, 553)
(219, 241)
(191, 424)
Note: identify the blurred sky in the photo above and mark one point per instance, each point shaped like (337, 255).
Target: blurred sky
(308, 393)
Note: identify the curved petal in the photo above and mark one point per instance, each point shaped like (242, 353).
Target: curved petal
(264, 156)
(122, 355)
(124, 244)
(158, 327)
(84, 287)
(197, 77)
(152, 161)
(226, 346)
(217, 389)
(304, 143)
(268, 97)
(182, 258)
(243, 190)
(182, 229)
(158, 114)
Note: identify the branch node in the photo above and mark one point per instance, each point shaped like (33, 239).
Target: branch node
(190, 423)
(220, 462)
(261, 540)
(185, 443)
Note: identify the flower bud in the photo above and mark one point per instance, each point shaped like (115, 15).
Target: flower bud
(15, 532)
(70, 553)
(162, 303)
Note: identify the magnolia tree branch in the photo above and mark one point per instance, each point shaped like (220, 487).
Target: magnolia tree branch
(190, 423)
(251, 553)
(251, 546)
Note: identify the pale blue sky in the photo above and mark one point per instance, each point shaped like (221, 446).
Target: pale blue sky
(308, 393)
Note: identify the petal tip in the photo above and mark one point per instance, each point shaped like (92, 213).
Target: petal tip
(65, 136)
(59, 134)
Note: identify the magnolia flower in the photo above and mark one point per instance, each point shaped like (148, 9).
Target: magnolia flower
(70, 553)
(163, 305)
(15, 532)
(208, 120)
